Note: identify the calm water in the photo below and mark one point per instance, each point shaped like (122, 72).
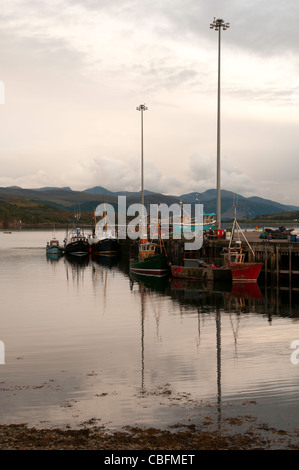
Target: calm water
(84, 342)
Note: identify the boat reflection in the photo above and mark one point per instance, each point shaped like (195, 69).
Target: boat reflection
(75, 267)
(74, 260)
(250, 290)
(222, 295)
(53, 257)
(108, 261)
(154, 283)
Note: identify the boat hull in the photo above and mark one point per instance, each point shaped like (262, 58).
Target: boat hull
(53, 247)
(79, 248)
(245, 272)
(202, 273)
(54, 250)
(156, 265)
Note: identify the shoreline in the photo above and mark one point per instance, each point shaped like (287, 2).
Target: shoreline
(129, 438)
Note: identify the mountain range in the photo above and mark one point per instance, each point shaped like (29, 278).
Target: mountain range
(68, 200)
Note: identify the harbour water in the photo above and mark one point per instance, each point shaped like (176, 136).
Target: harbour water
(86, 343)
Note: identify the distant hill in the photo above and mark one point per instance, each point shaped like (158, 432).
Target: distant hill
(68, 200)
(103, 191)
(246, 207)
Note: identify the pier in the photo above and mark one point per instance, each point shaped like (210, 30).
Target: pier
(279, 256)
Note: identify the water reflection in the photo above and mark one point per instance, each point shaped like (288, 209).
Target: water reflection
(107, 261)
(228, 304)
(221, 301)
(133, 350)
(53, 257)
(265, 299)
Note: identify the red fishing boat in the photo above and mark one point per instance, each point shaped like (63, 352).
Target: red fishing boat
(242, 271)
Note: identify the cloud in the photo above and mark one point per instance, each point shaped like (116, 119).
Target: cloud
(74, 71)
(201, 175)
(116, 175)
(37, 180)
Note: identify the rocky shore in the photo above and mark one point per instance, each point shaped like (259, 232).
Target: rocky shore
(21, 437)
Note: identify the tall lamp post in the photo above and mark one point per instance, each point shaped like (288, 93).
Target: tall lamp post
(218, 25)
(142, 108)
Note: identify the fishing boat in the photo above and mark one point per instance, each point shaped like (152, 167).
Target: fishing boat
(198, 270)
(242, 271)
(104, 240)
(53, 247)
(234, 258)
(150, 261)
(76, 243)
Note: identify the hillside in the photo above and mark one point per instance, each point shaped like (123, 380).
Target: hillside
(283, 218)
(57, 205)
(16, 213)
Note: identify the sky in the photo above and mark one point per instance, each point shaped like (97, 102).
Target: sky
(73, 73)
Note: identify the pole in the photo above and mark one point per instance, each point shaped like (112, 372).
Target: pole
(142, 108)
(142, 178)
(218, 25)
(218, 139)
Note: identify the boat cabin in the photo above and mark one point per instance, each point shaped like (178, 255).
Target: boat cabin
(147, 249)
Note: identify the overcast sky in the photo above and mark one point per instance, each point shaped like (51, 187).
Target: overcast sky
(74, 72)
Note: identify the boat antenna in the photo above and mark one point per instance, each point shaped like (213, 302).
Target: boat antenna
(236, 224)
(78, 213)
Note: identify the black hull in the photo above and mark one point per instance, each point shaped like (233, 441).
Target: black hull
(79, 248)
(107, 246)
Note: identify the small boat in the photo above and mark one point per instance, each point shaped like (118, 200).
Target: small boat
(151, 261)
(53, 247)
(234, 258)
(198, 270)
(278, 233)
(76, 243)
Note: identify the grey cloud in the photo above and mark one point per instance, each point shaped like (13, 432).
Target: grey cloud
(202, 174)
(265, 27)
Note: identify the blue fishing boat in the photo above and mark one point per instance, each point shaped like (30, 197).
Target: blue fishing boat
(53, 247)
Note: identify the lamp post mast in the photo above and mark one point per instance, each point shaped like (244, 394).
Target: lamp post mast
(142, 108)
(217, 25)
